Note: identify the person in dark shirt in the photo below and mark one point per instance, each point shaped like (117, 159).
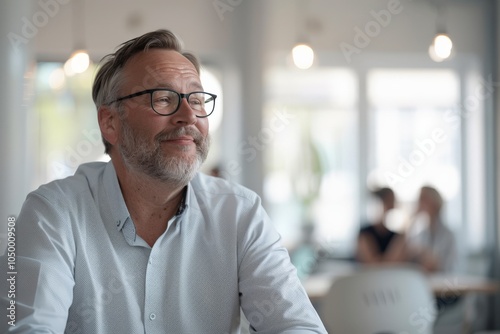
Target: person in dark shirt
(376, 242)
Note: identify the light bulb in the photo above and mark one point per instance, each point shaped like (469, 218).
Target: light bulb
(303, 56)
(78, 63)
(441, 47)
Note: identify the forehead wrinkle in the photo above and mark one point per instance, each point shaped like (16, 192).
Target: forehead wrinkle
(194, 86)
(174, 71)
(163, 60)
(170, 67)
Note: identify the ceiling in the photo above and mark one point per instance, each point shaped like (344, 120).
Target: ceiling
(210, 28)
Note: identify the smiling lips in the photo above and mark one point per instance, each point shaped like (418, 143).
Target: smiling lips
(180, 136)
(183, 140)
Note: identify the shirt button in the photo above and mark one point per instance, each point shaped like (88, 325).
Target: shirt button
(152, 316)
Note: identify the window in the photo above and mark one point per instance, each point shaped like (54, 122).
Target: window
(419, 127)
(311, 164)
(414, 140)
(67, 122)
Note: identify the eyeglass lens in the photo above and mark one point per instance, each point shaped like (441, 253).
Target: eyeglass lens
(166, 102)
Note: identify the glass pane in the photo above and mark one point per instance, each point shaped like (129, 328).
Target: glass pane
(415, 141)
(311, 159)
(68, 131)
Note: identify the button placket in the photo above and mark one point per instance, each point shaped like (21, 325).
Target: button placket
(152, 300)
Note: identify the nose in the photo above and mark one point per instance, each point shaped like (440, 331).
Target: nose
(184, 115)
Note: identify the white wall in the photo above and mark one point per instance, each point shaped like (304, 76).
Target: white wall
(410, 29)
(208, 28)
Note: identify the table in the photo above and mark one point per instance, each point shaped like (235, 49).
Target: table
(317, 286)
(445, 285)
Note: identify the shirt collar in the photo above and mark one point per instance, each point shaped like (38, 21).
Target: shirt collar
(183, 204)
(116, 202)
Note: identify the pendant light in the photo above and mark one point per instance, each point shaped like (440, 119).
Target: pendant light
(79, 61)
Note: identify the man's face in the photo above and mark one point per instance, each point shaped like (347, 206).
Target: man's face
(167, 148)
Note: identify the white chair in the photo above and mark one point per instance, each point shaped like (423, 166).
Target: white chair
(396, 300)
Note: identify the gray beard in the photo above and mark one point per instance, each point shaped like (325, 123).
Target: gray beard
(140, 155)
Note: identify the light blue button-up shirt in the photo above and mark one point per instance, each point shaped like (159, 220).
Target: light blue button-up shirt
(81, 267)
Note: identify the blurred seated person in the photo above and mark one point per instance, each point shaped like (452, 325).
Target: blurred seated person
(376, 242)
(430, 242)
(432, 245)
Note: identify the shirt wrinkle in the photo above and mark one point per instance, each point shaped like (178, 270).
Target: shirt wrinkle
(95, 279)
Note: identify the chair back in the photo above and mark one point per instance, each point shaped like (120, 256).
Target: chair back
(396, 300)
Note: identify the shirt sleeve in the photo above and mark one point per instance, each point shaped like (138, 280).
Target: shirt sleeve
(44, 265)
(448, 256)
(272, 297)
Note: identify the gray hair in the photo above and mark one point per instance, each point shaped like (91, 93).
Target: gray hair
(109, 77)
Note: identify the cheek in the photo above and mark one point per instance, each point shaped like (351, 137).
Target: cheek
(203, 126)
(150, 124)
(142, 131)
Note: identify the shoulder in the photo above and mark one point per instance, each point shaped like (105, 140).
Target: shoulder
(445, 232)
(84, 181)
(86, 176)
(209, 186)
(226, 204)
(366, 228)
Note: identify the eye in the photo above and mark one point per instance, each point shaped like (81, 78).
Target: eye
(162, 98)
(195, 101)
(198, 99)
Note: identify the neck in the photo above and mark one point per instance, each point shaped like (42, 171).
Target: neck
(150, 202)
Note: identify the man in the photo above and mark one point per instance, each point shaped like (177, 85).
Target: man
(145, 244)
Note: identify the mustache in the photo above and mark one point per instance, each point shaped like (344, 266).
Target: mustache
(184, 131)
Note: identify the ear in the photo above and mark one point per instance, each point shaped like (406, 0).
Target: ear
(108, 123)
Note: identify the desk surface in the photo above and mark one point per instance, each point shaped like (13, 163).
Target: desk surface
(317, 286)
(460, 284)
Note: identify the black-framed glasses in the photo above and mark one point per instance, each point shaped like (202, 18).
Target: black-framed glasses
(166, 102)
